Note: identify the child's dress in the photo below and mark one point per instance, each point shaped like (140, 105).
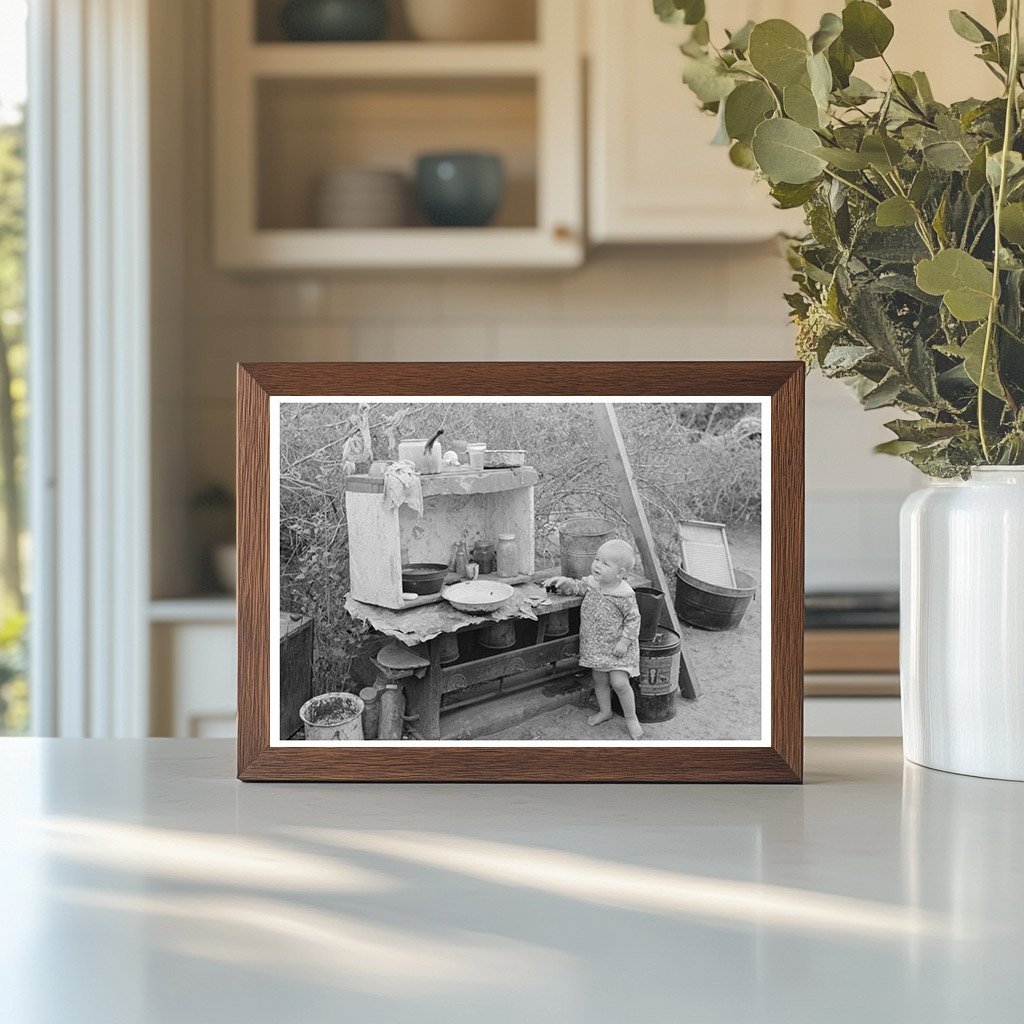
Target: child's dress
(604, 620)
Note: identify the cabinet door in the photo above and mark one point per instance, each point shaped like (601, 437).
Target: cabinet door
(653, 174)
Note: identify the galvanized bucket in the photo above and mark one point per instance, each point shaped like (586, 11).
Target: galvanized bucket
(579, 540)
(333, 716)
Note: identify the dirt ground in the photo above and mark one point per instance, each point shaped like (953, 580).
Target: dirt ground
(727, 666)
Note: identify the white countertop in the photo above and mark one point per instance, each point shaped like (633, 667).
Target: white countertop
(143, 884)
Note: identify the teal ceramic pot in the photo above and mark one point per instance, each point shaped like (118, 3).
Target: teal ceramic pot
(460, 189)
(334, 20)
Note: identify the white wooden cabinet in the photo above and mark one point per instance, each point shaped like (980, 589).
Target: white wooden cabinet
(286, 112)
(653, 175)
(193, 668)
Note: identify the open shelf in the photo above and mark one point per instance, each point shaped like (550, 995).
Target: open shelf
(287, 113)
(393, 60)
(518, 23)
(306, 127)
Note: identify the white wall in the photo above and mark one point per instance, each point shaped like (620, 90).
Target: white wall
(655, 303)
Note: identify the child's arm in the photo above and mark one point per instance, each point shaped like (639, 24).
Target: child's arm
(566, 586)
(630, 628)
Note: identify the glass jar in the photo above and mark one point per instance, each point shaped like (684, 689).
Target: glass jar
(508, 555)
(484, 556)
(476, 453)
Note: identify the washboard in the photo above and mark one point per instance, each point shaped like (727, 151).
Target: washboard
(705, 553)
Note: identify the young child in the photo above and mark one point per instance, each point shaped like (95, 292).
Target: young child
(609, 629)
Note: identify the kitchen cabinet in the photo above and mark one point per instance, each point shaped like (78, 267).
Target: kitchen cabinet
(653, 175)
(193, 667)
(286, 113)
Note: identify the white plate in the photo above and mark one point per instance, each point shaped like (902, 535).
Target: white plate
(477, 595)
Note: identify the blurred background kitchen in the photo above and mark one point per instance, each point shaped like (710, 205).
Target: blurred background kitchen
(245, 180)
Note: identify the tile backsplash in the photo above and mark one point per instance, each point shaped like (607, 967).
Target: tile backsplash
(717, 302)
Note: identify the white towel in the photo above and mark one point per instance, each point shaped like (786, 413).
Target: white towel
(402, 486)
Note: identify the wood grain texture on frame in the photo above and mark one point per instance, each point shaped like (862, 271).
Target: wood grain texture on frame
(783, 382)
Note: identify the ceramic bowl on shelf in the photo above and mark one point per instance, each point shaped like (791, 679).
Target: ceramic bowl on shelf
(361, 197)
(464, 21)
(477, 596)
(460, 189)
(334, 21)
(423, 578)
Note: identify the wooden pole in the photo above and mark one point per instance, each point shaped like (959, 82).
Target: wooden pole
(632, 507)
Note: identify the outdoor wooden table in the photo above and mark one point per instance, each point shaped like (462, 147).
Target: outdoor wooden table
(519, 666)
(428, 623)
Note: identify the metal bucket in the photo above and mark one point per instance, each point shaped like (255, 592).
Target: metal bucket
(333, 716)
(449, 648)
(557, 624)
(498, 636)
(656, 689)
(710, 606)
(579, 540)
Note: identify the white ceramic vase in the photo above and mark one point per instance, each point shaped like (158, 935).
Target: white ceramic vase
(962, 624)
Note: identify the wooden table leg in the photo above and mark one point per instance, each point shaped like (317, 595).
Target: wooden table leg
(424, 697)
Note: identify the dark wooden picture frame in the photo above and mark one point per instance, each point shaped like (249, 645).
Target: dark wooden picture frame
(781, 761)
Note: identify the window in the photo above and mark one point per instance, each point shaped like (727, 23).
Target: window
(14, 704)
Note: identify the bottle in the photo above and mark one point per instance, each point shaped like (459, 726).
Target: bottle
(508, 555)
(461, 560)
(483, 555)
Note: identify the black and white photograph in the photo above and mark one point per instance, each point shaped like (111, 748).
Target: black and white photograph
(520, 571)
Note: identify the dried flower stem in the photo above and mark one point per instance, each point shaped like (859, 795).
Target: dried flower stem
(993, 309)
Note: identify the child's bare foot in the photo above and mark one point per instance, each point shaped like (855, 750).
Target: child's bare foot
(601, 716)
(635, 729)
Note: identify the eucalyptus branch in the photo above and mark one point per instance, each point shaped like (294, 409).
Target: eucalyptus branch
(853, 185)
(1000, 198)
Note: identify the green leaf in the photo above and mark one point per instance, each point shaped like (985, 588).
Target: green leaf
(708, 80)
(971, 352)
(745, 108)
(1012, 224)
(778, 50)
(968, 28)
(883, 153)
(742, 155)
(844, 159)
(921, 185)
(676, 12)
(841, 60)
(800, 105)
(820, 76)
(999, 7)
(994, 167)
(963, 281)
(785, 152)
(895, 447)
(946, 156)
(866, 29)
(829, 30)
(858, 91)
(739, 41)
(885, 394)
(789, 197)
(896, 212)
(976, 174)
(924, 88)
(701, 33)
(923, 431)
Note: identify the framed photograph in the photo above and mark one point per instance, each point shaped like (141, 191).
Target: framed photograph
(520, 572)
